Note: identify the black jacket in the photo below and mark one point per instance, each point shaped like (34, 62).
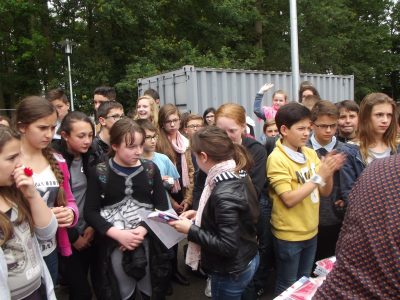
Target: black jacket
(100, 149)
(257, 172)
(227, 235)
(88, 159)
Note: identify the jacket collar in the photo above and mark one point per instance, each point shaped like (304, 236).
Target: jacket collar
(224, 176)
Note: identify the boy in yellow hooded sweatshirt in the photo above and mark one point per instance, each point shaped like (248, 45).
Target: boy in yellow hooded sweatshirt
(297, 177)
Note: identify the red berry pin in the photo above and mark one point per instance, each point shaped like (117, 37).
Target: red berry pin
(28, 171)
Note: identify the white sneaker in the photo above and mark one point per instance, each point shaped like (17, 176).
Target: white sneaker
(207, 291)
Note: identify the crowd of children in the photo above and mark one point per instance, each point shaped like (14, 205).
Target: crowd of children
(73, 188)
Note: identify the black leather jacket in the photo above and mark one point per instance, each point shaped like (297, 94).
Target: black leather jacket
(227, 235)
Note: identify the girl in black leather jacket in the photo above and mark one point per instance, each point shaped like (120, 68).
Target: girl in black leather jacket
(222, 232)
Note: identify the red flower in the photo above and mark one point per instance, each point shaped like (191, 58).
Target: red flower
(28, 171)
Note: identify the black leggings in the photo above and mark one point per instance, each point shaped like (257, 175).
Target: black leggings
(75, 269)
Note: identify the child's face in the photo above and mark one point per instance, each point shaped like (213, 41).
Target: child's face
(150, 141)
(40, 133)
(278, 101)
(297, 135)
(9, 159)
(305, 94)
(172, 124)
(210, 118)
(97, 100)
(61, 107)
(324, 128)
(129, 155)
(193, 126)
(232, 129)
(271, 131)
(80, 137)
(112, 117)
(143, 109)
(381, 117)
(348, 121)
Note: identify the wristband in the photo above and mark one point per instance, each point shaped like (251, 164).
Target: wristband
(318, 180)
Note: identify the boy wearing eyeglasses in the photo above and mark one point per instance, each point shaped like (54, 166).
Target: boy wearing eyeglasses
(108, 113)
(324, 121)
(168, 171)
(297, 178)
(192, 124)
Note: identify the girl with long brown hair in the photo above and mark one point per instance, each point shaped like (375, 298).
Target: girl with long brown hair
(173, 144)
(77, 131)
(223, 235)
(36, 119)
(24, 217)
(376, 138)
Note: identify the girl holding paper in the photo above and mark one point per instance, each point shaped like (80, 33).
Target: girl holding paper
(223, 236)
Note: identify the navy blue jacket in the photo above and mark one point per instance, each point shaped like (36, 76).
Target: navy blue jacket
(352, 168)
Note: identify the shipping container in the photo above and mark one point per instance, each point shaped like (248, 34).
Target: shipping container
(195, 89)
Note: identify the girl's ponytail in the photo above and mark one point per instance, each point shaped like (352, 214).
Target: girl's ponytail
(49, 155)
(242, 158)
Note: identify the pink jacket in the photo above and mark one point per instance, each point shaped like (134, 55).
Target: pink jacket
(63, 243)
(269, 112)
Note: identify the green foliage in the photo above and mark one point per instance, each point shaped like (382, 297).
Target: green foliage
(119, 41)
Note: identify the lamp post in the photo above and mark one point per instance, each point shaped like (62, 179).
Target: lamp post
(294, 46)
(67, 44)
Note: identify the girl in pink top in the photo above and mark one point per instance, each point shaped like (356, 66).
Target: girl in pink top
(268, 113)
(36, 120)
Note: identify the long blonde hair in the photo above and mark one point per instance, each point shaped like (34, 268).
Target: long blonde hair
(366, 139)
(153, 109)
(12, 195)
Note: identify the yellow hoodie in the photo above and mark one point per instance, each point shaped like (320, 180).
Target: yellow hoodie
(300, 222)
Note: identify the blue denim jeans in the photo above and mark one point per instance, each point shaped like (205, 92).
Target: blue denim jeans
(293, 260)
(265, 244)
(51, 261)
(231, 286)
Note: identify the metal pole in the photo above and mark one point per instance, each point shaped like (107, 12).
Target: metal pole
(70, 82)
(294, 47)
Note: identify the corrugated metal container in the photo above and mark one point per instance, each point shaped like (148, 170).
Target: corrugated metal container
(195, 89)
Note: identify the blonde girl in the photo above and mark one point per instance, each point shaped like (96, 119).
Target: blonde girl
(146, 108)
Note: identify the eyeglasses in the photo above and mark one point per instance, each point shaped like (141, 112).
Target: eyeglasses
(194, 126)
(326, 126)
(210, 117)
(151, 137)
(172, 121)
(116, 117)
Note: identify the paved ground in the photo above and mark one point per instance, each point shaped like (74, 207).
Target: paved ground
(195, 291)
